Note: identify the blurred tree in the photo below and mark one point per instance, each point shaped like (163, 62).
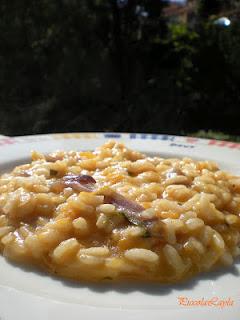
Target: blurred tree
(216, 82)
(68, 65)
(182, 45)
(81, 56)
(207, 8)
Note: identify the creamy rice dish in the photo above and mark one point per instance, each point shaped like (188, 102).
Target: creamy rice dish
(115, 214)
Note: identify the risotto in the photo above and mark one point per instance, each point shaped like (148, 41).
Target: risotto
(115, 214)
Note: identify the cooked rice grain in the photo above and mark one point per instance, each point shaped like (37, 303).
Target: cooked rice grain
(183, 218)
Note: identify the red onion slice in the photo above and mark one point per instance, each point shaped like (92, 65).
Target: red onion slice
(132, 211)
(130, 208)
(79, 182)
(76, 182)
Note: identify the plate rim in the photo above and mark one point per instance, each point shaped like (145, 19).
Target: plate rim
(29, 299)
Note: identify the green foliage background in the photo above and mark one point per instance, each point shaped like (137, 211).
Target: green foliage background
(89, 65)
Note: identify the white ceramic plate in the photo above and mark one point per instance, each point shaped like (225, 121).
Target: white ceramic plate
(30, 294)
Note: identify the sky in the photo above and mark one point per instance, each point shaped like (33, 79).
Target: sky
(178, 1)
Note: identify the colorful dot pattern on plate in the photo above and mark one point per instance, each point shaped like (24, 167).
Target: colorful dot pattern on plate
(173, 141)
